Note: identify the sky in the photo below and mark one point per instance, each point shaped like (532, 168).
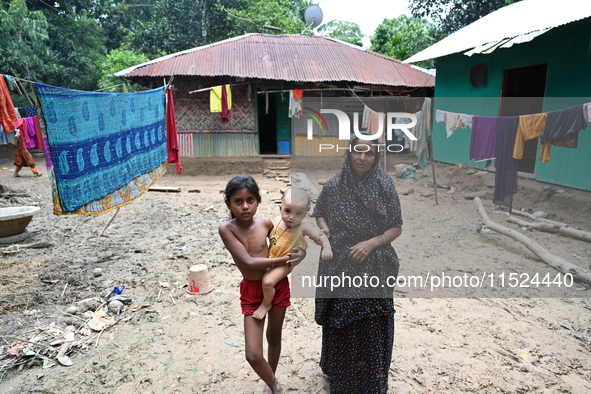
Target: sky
(368, 14)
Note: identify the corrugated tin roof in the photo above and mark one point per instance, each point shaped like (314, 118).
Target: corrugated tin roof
(285, 57)
(509, 22)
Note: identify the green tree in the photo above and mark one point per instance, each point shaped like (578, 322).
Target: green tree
(251, 15)
(402, 37)
(23, 39)
(452, 15)
(342, 30)
(179, 25)
(76, 43)
(117, 60)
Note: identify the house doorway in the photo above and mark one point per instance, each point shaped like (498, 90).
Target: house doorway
(274, 123)
(267, 116)
(523, 93)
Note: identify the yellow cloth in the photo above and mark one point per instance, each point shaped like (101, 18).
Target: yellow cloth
(215, 98)
(282, 242)
(531, 126)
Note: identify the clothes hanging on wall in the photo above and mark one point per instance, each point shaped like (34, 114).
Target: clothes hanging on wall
(215, 98)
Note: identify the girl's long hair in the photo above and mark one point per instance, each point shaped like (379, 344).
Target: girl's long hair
(240, 182)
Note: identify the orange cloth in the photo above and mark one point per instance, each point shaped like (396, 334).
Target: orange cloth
(7, 111)
(373, 125)
(282, 242)
(531, 126)
(298, 93)
(21, 124)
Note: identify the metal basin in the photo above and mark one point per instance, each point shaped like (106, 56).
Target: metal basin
(14, 220)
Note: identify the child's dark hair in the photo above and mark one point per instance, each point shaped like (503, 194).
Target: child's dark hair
(240, 182)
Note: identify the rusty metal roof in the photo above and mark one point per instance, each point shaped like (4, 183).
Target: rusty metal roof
(285, 57)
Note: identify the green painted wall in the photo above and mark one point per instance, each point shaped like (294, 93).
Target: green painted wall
(567, 51)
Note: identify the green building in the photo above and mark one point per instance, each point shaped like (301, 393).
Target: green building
(530, 57)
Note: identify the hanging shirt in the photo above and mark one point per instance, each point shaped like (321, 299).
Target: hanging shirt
(215, 98)
(562, 127)
(483, 143)
(466, 120)
(530, 126)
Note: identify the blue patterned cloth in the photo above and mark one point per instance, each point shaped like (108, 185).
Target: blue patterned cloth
(100, 142)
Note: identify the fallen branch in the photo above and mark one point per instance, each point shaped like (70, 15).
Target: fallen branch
(537, 219)
(549, 228)
(555, 262)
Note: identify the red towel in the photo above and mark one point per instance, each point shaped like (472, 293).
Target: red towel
(224, 105)
(38, 135)
(172, 141)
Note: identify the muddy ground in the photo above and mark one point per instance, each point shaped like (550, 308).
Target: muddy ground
(167, 341)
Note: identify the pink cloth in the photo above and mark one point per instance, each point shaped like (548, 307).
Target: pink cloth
(32, 133)
(172, 141)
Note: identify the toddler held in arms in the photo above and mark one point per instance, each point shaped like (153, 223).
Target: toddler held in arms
(288, 233)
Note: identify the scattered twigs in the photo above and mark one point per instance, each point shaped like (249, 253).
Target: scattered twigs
(556, 262)
(109, 223)
(550, 228)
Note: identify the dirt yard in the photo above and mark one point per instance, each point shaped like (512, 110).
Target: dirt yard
(168, 341)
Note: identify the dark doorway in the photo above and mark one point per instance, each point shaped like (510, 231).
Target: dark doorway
(267, 124)
(523, 94)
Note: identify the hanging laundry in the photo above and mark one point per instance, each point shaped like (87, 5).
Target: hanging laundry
(466, 120)
(483, 143)
(172, 141)
(295, 105)
(505, 164)
(365, 121)
(452, 121)
(30, 111)
(7, 112)
(530, 126)
(225, 108)
(587, 112)
(376, 124)
(31, 132)
(562, 128)
(21, 124)
(38, 135)
(215, 98)
(105, 149)
(424, 133)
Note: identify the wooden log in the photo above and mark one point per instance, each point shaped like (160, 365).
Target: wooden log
(537, 219)
(555, 262)
(556, 229)
(165, 189)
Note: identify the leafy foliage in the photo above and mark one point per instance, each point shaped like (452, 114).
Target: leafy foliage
(402, 37)
(452, 15)
(342, 30)
(179, 25)
(23, 39)
(249, 16)
(117, 60)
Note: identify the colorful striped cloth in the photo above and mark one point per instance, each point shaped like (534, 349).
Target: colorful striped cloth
(101, 144)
